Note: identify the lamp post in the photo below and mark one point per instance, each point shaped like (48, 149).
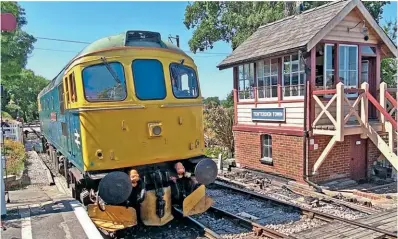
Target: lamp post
(2, 163)
(8, 24)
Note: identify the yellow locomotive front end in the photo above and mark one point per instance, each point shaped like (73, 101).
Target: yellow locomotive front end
(141, 127)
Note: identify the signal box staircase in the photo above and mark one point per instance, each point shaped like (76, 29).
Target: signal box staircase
(351, 117)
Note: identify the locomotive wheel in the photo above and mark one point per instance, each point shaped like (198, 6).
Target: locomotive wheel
(43, 144)
(76, 190)
(61, 165)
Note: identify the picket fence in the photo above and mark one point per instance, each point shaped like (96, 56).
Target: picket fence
(14, 132)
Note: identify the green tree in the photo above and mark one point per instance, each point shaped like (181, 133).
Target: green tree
(20, 86)
(23, 90)
(211, 102)
(234, 22)
(229, 101)
(15, 45)
(389, 65)
(231, 22)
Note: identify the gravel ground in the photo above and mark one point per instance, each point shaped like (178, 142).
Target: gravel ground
(262, 212)
(34, 170)
(288, 196)
(222, 226)
(176, 229)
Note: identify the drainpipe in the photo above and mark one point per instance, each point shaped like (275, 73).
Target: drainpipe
(305, 131)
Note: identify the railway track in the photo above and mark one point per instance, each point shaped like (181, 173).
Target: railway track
(258, 181)
(308, 212)
(258, 230)
(204, 231)
(202, 226)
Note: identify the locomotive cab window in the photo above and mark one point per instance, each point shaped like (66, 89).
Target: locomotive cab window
(183, 81)
(148, 79)
(104, 84)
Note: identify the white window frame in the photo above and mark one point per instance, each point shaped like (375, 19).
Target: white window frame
(291, 72)
(347, 70)
(270, 75)
(266, 160)
(367, 70)
(244, 79)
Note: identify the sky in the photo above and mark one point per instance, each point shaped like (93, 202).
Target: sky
(89, 21)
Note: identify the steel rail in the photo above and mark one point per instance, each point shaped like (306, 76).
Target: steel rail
(306, 211)
(208, 233)
(257, 228)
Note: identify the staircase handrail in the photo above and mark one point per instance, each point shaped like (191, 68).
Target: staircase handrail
(391, 99)
(382, 110)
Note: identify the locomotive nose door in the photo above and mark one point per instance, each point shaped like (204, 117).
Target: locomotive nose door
(75, 147)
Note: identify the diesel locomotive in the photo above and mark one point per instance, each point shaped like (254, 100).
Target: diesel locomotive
(123, 122)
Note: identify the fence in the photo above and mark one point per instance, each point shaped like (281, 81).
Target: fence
(14, 132)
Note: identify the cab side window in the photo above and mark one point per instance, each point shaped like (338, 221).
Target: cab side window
(61, 99)
(73, 87)
(66, 83)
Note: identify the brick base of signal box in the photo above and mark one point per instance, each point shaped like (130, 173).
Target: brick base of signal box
(287, 156)
(287, 153)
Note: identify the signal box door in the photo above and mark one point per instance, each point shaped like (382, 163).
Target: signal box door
(358, 158)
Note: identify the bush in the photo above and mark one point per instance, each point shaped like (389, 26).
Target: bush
(15, 156)
(5, 115)
(218, 122)
(214, 151)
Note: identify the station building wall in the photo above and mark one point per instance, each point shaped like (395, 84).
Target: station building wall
(287, 153)
(287, 156)
(336, 164)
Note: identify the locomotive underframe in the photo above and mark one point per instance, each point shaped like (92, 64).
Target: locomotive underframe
(160, 192)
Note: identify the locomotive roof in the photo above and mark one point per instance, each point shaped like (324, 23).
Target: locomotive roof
(124, 39)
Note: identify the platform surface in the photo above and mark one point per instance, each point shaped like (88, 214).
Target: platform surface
(384, 220)
(45, 213)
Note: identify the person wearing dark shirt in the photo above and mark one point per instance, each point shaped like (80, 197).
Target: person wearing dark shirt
(4, 124)
(181, 184)
(137, 195)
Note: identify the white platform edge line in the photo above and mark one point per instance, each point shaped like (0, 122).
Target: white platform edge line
(26, 224)
(88, 226)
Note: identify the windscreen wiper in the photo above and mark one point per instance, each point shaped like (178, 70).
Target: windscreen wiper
(114, 75)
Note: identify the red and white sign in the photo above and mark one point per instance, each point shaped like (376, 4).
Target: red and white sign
(8, 22)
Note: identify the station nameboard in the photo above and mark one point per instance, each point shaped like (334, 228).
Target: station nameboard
(268, 114)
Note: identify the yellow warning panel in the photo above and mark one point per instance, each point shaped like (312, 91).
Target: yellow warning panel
(113, 218)
(197, 202)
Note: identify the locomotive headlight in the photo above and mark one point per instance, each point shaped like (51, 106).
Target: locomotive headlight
(155, 129)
